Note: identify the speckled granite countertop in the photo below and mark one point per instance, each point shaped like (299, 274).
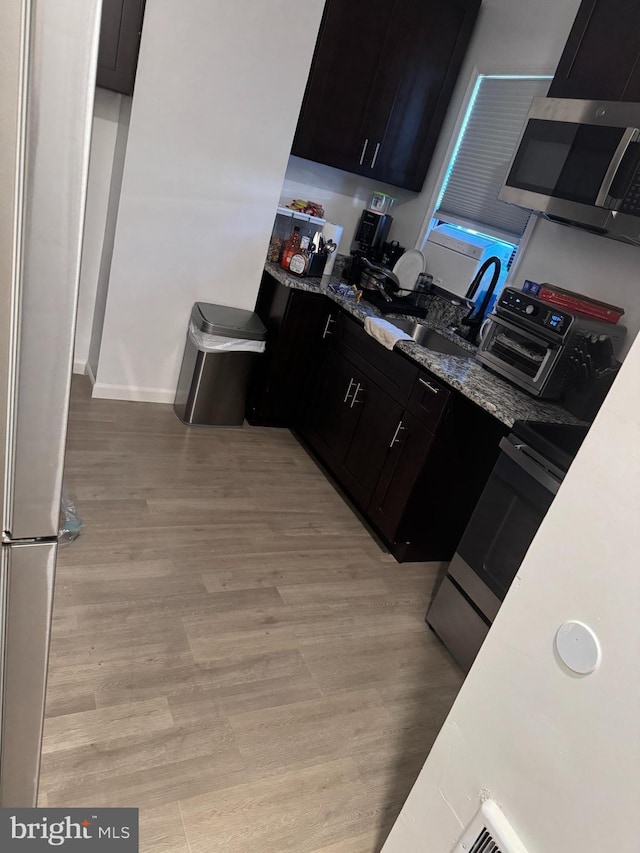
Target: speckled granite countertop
(504, 401)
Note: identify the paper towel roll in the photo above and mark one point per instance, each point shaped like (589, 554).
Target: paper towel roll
(332, 232)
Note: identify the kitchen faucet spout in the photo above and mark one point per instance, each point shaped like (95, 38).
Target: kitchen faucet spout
(475, 317)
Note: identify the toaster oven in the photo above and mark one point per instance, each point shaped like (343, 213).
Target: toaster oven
(544, 349)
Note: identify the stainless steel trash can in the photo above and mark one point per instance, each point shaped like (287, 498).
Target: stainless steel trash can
(222, 346)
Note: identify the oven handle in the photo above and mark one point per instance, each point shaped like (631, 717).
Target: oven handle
(484, 329)
(518, 453)
(603, 198)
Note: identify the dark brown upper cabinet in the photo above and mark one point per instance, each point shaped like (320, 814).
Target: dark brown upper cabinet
(601, 59)
(380, 84)
(119, 44)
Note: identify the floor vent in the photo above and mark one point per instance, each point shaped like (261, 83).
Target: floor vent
(489, 832)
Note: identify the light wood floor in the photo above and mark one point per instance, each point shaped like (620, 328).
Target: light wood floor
(232, 653)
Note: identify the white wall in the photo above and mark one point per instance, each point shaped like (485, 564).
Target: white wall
(103, 139)
(104, 270)
(559, 752)
(218, 91)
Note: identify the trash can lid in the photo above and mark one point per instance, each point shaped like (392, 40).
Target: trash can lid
(229, 322)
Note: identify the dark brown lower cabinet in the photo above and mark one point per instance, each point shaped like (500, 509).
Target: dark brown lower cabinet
(412, 459)
(411, 454)
(369, 445)
(402, 466)
(350, 425)
(448, 482)
(358, 404)
(299, 327)
(333, 418)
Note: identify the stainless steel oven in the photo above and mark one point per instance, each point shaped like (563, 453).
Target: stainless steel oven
(539, 346)
(532, 464)
(578, 162)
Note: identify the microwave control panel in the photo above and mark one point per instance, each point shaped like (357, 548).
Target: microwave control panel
(515, 303)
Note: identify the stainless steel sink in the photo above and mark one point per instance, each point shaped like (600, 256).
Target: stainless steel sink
(431, 339)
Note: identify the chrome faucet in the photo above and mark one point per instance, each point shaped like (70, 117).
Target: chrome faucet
(475, 317)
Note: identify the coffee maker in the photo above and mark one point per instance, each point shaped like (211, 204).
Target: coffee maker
(371, 236)
(372, 232)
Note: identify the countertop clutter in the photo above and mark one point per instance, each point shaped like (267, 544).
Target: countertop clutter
(504, 401)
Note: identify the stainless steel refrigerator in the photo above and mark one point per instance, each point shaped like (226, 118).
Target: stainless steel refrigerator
(48, 52)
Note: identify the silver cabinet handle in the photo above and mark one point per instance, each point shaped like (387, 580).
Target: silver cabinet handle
(364, 150)
(352, 382)
(428, 385)
(327, 330)
(375, 156)
(355, 396)
(399, 428)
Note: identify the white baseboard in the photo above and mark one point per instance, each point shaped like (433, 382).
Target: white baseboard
(89, 373)
(133, 392)
(80, 367)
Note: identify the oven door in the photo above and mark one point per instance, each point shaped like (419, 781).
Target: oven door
(576, 160)
(521, 356)
(511, 508)
(501, 529)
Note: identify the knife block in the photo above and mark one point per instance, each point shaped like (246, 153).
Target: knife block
(585, 403)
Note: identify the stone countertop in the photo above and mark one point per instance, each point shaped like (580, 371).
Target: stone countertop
(500, 398)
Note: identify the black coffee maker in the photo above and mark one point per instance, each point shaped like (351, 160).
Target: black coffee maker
(371, 235)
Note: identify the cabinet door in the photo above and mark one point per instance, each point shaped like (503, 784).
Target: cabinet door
(380, 84)
(428, 400)
(426, 42)
(370, 442)
(119, 44)
(309, 322)
(403, 464)
(349, 47)
(600, 58)
(298, 326)
(351, 426)
(389, 370)
(333, 417)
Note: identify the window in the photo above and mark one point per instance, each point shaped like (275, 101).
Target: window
(467, 206)
(468, 197)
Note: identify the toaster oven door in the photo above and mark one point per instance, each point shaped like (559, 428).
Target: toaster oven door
(523, 357)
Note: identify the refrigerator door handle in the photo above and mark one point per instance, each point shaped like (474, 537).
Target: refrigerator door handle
(35, 540)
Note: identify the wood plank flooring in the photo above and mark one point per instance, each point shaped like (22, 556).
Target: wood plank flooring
(232, 652)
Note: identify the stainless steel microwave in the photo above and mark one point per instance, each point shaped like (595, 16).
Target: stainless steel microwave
(578, 162)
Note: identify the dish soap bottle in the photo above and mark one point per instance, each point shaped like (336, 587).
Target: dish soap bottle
(291, 246)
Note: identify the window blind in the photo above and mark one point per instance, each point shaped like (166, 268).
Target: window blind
(485, 149)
